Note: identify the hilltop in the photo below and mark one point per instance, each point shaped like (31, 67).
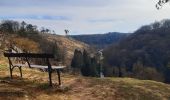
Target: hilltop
(34, 85)
(23, 37)
(65, 46)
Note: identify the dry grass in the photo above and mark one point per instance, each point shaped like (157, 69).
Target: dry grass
(34, 86)
(67, 44)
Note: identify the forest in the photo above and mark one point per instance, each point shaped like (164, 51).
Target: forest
(145, 54)
(100, 41)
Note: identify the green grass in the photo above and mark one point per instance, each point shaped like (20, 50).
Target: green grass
(3, 67)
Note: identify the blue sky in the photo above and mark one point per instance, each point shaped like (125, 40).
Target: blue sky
(84, 16)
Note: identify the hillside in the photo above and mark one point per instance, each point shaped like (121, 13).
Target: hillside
(101, 40)
(68, 45)
(144, 54)
(34, 86)
(23, 37)
(47, 43)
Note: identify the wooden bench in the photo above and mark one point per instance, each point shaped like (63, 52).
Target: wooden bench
(34, 55)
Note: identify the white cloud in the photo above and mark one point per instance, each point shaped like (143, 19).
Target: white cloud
(86, 16)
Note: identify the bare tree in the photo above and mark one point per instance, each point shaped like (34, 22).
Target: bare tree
(161, 3)
(66, 32)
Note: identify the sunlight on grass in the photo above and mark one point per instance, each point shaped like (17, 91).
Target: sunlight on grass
(34, 85)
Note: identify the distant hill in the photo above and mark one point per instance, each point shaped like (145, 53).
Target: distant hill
(101, 40)
(145, 54)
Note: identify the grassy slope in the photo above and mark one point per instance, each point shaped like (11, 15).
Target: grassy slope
(67, 44)
(34, 85)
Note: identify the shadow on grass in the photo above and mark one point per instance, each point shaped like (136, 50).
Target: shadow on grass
(52, 90)
(12, 93)
(31, 87)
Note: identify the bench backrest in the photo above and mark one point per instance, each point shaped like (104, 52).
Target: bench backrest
(29, 55)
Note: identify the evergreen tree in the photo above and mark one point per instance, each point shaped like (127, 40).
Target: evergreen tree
(167, 73)
(85, 70)
(94, 70)
(77, 61)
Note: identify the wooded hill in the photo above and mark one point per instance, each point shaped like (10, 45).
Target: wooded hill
(145, 54)
(100, 41)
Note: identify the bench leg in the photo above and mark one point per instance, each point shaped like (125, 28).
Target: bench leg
(50, 81)
(59, 80)
(20, 69)
(10, 69)
(49, 71)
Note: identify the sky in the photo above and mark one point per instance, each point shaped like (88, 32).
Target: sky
(84, 16)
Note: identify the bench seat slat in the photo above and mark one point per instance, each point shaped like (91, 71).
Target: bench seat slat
(46, 67)
(40, 66)
(29, 55)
